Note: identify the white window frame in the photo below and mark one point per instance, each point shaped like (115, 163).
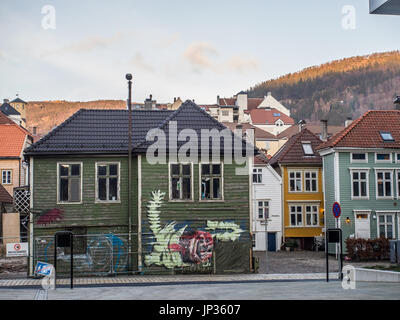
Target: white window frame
(259, 172)
(263, 207)
(391, 183)
(295, 179)
(316, 178)
(357, 160)
(96, 182)
(383, 161)
(305, 215)
(10, 171)
(397, 157)
(222, 182)
(58, 181)
(296, 214)
(359, 170)
(385, 213)
(191, 182)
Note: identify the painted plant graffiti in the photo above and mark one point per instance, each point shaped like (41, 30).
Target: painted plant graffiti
(178, 247)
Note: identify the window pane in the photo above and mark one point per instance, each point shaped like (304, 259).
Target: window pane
(389, 228)
(315, 219)
(363, 189)
(389, 219)
(216, 169)
(356, 191)
(175, 194)
(216, 188)
(293, 219)
(75, 189)
(205, 188)
(102, 189)
(382, 230)
(205, 169)
(113, 189)
(308, 188)
(75, 169)
(186, 194)
(186, 169)
(355, 175)
(175, 169)
(64, 170)
(388, 187)
(260, 213)
(382, 219)
(292, 185)
(363, 175)
(358, 156)
(298, 185)
(63, 189)
(308, 222)
(113, 169)
(102, 170)
(314, 185)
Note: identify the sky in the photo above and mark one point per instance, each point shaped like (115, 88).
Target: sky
(81, 50)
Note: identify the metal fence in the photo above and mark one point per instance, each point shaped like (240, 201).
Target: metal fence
(94, 254)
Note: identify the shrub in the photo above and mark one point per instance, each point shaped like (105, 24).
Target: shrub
(368, 249)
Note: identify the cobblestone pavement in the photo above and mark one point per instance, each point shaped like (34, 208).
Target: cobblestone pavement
(294, 290)
(304, 262)
(166, 279)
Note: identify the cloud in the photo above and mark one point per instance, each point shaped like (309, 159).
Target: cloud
(241, 64)
(90, 44)
(198, 54)
(203, 55)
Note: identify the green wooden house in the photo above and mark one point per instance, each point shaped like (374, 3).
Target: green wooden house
(362, 173)
(186, 215)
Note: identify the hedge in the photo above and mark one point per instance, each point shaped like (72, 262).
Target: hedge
(368, 249)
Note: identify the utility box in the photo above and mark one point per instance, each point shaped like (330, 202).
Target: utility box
(393, 251)
(398, 251)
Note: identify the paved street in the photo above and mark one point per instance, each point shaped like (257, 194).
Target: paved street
(310, 289)
(304, 262)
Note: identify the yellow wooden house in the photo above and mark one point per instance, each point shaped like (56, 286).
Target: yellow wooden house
(300, 167)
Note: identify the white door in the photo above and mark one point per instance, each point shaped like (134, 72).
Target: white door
(362, 226)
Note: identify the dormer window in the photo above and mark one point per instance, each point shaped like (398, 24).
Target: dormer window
(386, 136)
(307, 148)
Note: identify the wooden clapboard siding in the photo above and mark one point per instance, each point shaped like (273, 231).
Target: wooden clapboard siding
(234, 207)
(88, 213)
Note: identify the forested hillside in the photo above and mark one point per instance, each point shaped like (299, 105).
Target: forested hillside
(337, 89)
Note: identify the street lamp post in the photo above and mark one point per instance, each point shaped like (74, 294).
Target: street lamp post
(129, 78)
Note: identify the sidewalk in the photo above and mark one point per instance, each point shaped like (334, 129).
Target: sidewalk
(169, 279)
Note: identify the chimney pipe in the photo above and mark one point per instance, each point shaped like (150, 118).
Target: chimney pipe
(324, 131)
(301, 124)
(397, 103)
(348, 122)
(34, 130)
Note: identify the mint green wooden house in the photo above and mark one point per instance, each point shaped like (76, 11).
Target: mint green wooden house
(361, 171)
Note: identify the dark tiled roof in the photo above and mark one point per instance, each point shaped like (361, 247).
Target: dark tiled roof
(258, 133)
(8, 110)
(314, 128)
(5, 197)
(97, 131)
(292, 151)
(18, 100)
(365, 131)
(106, 131)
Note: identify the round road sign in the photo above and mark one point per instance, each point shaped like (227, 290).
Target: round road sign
(336, 210)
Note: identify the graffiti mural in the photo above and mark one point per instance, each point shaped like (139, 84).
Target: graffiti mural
(179, 246)
(50, 216)
(105, 253)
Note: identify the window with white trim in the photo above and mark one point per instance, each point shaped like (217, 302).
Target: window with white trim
(359, 184)
(257, 175)
(383, 157)
(295, 181)
(311, 215)
(307, 148)
(180, 181)
(6, 176)
(398, 184)
(384, 184)
(359, 157)
(107, 182)
(386, 226)
(311, 181)
(296, 215)
(211, 181)
(263, 210)
(69, 182)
